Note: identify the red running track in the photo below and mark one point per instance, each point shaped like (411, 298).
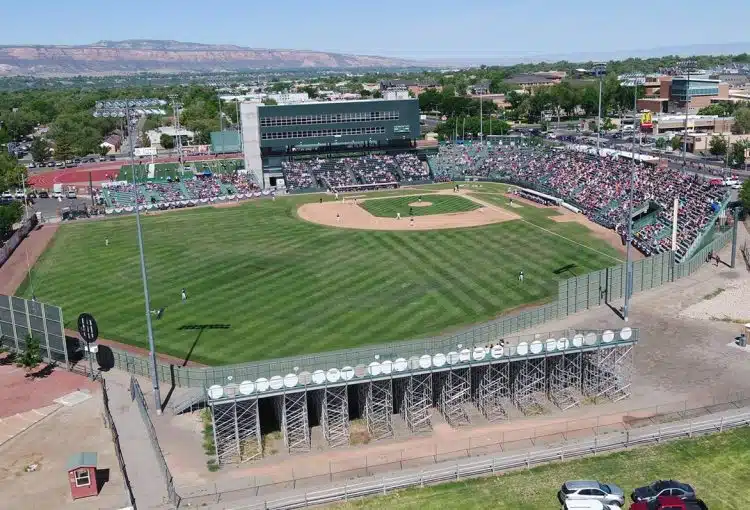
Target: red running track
(100, 172)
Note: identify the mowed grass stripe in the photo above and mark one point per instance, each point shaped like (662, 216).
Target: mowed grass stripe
(290, 287)
(439, 204)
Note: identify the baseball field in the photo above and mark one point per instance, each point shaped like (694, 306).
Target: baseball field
(263, 283)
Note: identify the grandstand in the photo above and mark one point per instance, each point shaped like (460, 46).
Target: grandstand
(599, 188)
(170, 171)
(372, 171)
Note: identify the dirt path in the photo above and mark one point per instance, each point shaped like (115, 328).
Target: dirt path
(348, 214)
(13, 272)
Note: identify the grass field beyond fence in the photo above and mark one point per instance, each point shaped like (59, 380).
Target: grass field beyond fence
(439, 204)
(262, 283)
(716, 465)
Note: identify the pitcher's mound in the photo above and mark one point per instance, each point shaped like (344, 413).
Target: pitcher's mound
(420, 204)
(350, 215)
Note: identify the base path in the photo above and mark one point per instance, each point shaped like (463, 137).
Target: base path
(13, 272)
(350, 215)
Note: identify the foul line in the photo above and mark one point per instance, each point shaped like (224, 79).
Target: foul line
(572, 241)
(490, 204)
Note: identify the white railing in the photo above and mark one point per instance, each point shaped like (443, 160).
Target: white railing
(492, 465)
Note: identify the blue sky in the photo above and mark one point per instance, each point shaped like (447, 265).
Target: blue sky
(422, 29)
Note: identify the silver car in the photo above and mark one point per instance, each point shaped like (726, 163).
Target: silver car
(592, 490)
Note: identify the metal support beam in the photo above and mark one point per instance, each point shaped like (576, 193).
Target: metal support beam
(608, 373)
(493, 391)
(455, 392)
(417, 402)
(529, 385)
(295, 425)
(376, 399)
(565, 377)
(334, 415)
(236, 427)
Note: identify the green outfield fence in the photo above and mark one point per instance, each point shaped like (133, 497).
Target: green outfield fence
(19, 316)
(574, 295)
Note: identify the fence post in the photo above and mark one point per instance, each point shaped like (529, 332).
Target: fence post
(721, 425)
(385, 488)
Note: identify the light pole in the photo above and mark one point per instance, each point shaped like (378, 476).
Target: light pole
(628, 263)
(687, 66)
(118, 109)
(600, 68)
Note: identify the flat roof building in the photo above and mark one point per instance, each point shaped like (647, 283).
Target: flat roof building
(272, 134)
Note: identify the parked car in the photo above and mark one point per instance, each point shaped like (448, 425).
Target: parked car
(112, 158)
(663, 488)
(587, 504)
(102, 158)
(670, 503)
(591, 490)
(20, 194)
(43, 194)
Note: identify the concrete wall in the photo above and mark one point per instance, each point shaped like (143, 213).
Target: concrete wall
(251, 141)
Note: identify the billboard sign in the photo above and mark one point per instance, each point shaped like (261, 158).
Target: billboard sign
(145, 151)
(647, 120)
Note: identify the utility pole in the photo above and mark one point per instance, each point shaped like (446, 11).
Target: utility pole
(178, 142)
(628, 263)
(118, 107)
(599, 69)
(688, 66)
(221, 114)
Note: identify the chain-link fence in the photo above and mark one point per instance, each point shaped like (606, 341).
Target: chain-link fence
(22, 318)
(137, 395)
(109, 422)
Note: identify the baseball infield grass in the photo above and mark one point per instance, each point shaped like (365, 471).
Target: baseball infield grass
(280, 286)
(439, 204)
(715, 465)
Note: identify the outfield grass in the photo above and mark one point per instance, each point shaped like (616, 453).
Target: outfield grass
(441, 204)
(286, 286)
(716, 465)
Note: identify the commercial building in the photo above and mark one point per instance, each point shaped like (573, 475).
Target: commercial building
(272, 134)
(706, 124)
(675, 93)
(413, 86)
(527, 81)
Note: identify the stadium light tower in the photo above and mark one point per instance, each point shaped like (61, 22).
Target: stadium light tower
(600, 69)
(130, 109)
(178, 143)
(687, 66)
(628, 262)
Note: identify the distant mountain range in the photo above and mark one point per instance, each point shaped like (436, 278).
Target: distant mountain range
(140, 55)
(133, 56)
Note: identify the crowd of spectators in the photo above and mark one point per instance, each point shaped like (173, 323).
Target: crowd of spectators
(200, 187)
(597, 186)
(362, 172)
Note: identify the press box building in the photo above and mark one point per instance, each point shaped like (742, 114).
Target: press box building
(275, 133)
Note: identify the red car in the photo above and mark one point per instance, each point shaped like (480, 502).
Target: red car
(670, 503)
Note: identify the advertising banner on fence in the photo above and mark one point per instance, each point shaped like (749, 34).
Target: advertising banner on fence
(145, 151)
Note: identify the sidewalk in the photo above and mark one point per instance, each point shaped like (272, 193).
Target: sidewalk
(144, 471)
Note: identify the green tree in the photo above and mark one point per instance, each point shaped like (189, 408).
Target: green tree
(676, 143)
(145, 140)
(166, 141)
(32, 354)
(741, 120)
(715, 109)
(744, 195)
(737, 153)
(365, 93)
(718, 145)
(430, 100)
(63, 148)
(39, 149)
(311, 91)
(103, 150)
(661, 143)
(377, 94)
(12, 174)
(607, 124)
(9, 215)
(269, 101)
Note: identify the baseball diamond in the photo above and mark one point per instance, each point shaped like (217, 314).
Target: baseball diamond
(281, 286)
